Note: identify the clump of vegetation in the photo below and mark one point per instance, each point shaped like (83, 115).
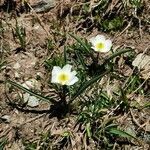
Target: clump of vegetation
(92, 92)
(20, 35)
(92, 107)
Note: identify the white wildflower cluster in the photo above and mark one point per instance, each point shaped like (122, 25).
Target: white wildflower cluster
(65, 76)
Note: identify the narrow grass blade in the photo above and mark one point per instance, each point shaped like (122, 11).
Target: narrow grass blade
(30, 92)
(124, 98)
(146, 105)
(79, 41)
(65, 55)
(87, 84)
(2, 143)
(121, 133)
(117, 54)
(88, 129)
(2, 64)
(80, 57)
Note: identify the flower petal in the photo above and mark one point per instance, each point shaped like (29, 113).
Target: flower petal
(108, 45)
(73, 73)
(55, 72)
(93, 48)
(54, 79)
(100, 38)
(67, 68)
(92, 40)
(73, 81)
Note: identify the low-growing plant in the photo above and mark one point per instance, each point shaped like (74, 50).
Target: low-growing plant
(20, 34)
(63, 77)
(113, 24)
(72, 87)
(29, 145)
(136, 3)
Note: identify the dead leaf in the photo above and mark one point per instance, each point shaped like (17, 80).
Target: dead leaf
(142, 62)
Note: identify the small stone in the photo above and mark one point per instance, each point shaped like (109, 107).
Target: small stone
(17, 75)
(16, 66)
(31, 84)
(32, 101)
(6, 118)
(43, 5)
(26, 97)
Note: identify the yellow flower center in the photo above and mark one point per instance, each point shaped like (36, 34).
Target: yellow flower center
(63, 78)
(99, 45)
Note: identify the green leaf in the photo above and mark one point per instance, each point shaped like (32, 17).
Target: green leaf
(30, 92)
(146, 105)
(65, 55)
(2, 143)
(80, 41)
(113, 24)
(124, 99)
(80, 57)
(121, 133)
(117, 54)
(85, 85)
(88, 129)
(20, 32)
(2, 64)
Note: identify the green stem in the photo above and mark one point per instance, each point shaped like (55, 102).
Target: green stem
(63, 95)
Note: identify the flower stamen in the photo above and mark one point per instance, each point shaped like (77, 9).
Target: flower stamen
(63, 78)
(99, 45)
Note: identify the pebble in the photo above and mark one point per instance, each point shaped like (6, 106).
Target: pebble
(42, 5)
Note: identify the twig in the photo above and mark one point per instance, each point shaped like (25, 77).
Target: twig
(137, 123)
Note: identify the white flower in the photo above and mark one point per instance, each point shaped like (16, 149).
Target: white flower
(64, 76)
(100, 44)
